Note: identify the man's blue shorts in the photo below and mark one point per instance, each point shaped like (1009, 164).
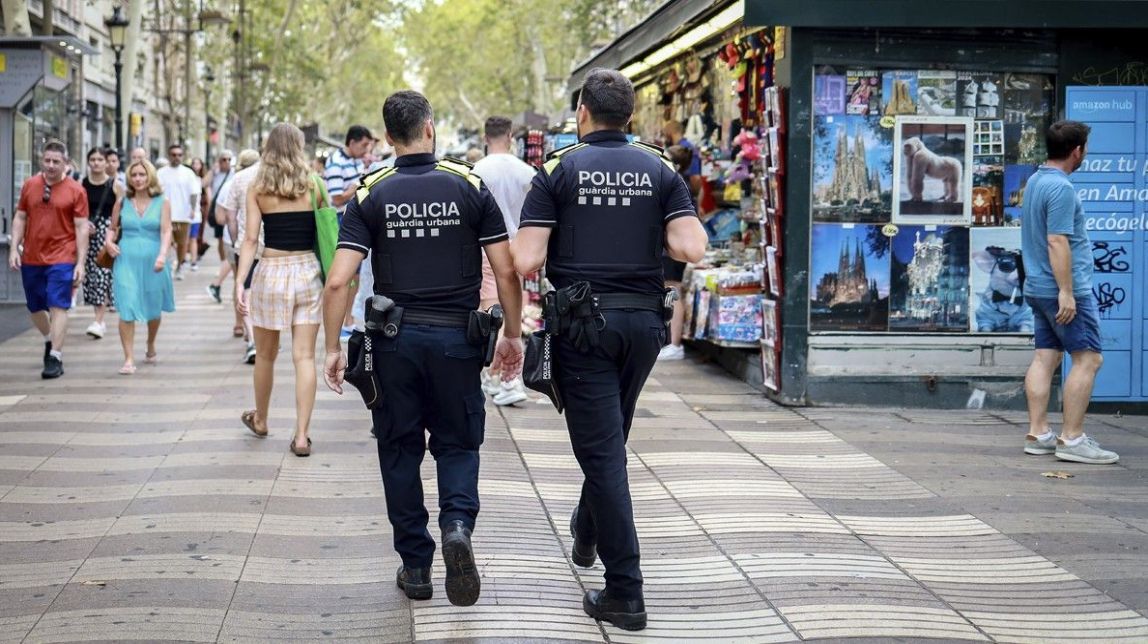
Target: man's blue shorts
(194, 232)
(48, 287)
(1081, 334)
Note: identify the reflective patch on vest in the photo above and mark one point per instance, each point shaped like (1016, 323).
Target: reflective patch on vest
(555, 157)
(656, 151)
(462, 169)
(371, 179)
(383, 273)
(565, 241)
(470, 260)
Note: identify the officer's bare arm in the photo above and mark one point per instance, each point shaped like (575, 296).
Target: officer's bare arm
(685, 239)
(529, 248)
(509, 288)
(344, 267)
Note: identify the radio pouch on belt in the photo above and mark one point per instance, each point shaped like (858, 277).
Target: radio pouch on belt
(361, 372)
(539, 370)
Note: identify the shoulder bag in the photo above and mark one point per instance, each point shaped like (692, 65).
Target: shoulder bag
(104, 259)
(326, 227)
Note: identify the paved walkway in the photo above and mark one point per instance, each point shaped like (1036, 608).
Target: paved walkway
(139, 508)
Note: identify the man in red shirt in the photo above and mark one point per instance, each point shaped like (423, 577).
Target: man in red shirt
(49, 235)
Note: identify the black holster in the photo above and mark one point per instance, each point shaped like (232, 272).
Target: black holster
(482, 331)
(362, 372)
(573, 311)
(540, 368)
(383, 317)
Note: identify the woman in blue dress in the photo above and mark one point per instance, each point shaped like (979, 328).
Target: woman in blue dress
(141, 285)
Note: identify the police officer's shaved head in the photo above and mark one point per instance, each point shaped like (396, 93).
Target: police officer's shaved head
(497, 127)
(609, 96)
(404, 114)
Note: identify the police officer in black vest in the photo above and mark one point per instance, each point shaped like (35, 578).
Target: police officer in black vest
(426, 221)
(600, 213)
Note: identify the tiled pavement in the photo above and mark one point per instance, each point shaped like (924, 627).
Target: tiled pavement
(139, 508)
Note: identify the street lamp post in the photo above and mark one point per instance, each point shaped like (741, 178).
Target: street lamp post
(117, 26)
(208, 79)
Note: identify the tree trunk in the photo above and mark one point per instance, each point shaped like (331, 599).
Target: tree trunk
(16, 20)
(49, 26)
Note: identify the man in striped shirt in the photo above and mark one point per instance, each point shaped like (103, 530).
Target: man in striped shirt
(344, 168)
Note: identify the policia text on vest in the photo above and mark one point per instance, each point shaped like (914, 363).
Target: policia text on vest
(600, 215)
(426, 222)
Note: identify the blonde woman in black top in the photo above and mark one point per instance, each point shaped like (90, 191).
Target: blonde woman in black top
(287, 285)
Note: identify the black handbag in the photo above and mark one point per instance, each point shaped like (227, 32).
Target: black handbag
(539, 369)
(361, 372)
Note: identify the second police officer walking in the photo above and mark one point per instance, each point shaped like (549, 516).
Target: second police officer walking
(599, 215)
(426, 222)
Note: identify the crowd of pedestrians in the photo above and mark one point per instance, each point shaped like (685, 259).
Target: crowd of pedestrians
(265, 217)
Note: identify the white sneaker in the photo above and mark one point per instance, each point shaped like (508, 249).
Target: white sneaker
(671, 352)
(490, 384)
(97, 330)
(179, 274)
(510, 393)
(195, 267)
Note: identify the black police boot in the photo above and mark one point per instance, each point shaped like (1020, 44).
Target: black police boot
(462, 582)
(626, 614)
(415, 582)
(583, 553)
(53, 367)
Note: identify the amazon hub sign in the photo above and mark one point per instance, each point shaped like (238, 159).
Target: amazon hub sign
(1113, 185)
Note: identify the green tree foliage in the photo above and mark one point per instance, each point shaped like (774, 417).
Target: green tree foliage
(334, 61)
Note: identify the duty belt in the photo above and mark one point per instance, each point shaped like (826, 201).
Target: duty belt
(629, 301)
(452, 320)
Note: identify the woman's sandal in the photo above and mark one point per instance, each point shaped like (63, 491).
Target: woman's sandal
(151, 358)
(301, 451)
(127, 369)
(248, 418)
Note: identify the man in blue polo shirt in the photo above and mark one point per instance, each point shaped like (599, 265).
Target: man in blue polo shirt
(1058, 287)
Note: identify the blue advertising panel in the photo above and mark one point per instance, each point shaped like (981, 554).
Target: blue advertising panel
(1113, 185)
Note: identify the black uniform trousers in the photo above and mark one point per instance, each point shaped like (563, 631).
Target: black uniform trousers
(430, 382)
(600, 390)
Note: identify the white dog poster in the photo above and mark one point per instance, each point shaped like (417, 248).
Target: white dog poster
(932, 170)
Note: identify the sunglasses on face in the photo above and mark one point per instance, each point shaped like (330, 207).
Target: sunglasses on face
(47, 193)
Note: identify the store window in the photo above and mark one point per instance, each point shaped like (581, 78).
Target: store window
(917, 192)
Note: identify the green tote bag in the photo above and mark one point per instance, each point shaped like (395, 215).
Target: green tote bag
(326, 228)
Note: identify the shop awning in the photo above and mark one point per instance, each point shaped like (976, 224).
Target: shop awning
(1005, 14)
(669, 20)
(68, 45)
